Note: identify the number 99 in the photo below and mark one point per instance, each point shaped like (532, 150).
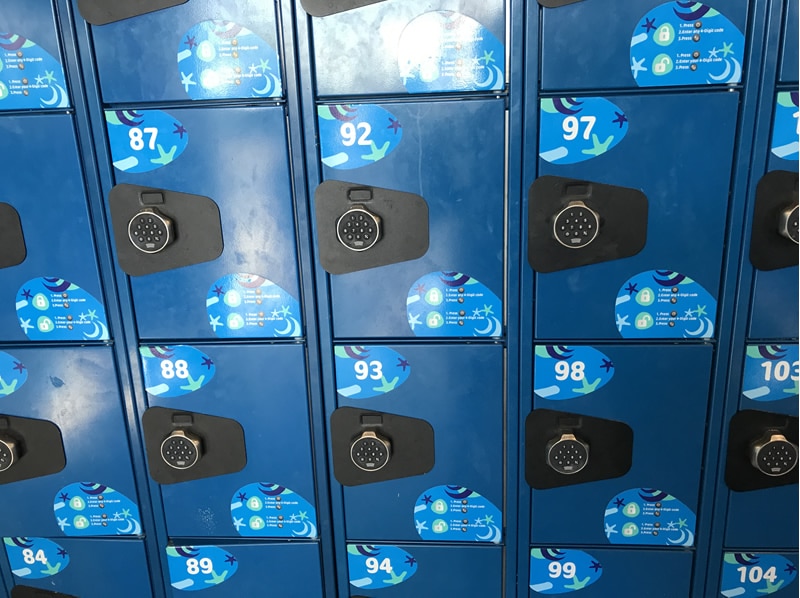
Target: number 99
(566, 570)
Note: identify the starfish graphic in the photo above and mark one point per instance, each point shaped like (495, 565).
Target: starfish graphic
(637, 66)
(622, 321)
(671, 525)
(164, 157)
(427, 499)
(700, 311)
(402, 363)
(631, 288)
(487, 57)
(578, 584)
(193, 384)
(649, 24)
(218, 291)
(476, 312)
(49, 76)
(26, 324)
(303, 515)
(62, 553)
(179, 129)
(217, 579)
(597, 147)
(727, 49)
(27, 293)
(688, 313)
(63, 497)
(51, 570)
(385, 385)
(230, 559)
(275, 313)
(264, 66)
(81, 318)
(39, 80)
(62, 523)
(238, 522)
(790, 568)
(376, 154)
(253, 69)
(771, 587)
(394, 125)
(487, 309)
(420, 289)
(421, 526)
(587, 388)
(682, 523)
(186, 81)
(92, 315)
(412, 321)
(190, 41)
(595, 565)
(410, 560)
(610, 529)
(395, 579)
(208, 363)
(713, 52)
(621, 119)
(607, 365)
(214, 322)
(619, 502)
(19, 366)
(293, 517)
(7, 389)
(285, 311)
(488, 519)
(126, 512)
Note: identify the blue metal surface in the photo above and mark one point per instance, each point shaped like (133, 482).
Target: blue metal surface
(452, 154)
(53, 209)
(95, 567)
(248, 380)
(586, 45)
(238, 158)
(658, 159)
(137, 59)
(789, 58)
(458, 390)
(668, 421)
(77, 390)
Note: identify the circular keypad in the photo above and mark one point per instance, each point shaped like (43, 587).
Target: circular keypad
(8, 454)
(775, 457)
(567, 455)
(369, 452)
(358, 229)
(149, 231)
(790, 224)
(576, 226)
(180, 451)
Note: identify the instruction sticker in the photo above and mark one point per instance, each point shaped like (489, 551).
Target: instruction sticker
(367, 372)
(753, 575)
(352, 136)
(29, 76)
(555, 571)
(457, 514)
(54, 309)
(686, 43)
(447, 51)
(13, 374)
(664, 304)
(272, 511)
(453, 304)
(250, 306)
(771, 372)
(35, 558)
(561, 372)
(194, 568)
(221, 59)
(144, 140)
(91, 509)
(375, 567)
(786, 126)
(578, 129)
(645, 516)
(175, 371)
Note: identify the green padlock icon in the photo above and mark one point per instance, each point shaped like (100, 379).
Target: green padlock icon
(663, 33)
(646, 296)
(664, 65)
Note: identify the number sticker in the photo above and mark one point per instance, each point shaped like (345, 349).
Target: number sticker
(350, 132)
(375, 567)
(571, 126)
(771, 372)
(137, 138)
(555, 571)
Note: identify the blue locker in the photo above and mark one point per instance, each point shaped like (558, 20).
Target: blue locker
(198, 50)
(238, 158)
(94, 494)
(80, 567)
(451, 154)
(31, 71)
(588, 45)
(411, 46)
(789, 63)
(418, 570)
(293, 570)
(263, 388)
(56, 288)
(659, 152)
(600, 572)
(458, 390)
(661, 392)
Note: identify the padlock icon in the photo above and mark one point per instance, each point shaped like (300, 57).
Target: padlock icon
(663, 33)
(631, 509)
(661, 67)
(645, 296)
(40, 302)
(643, 322)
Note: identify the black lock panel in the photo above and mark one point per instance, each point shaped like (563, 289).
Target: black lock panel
(220, 445)
(29, 592)
(38, 448)
(771, 241)
(102, 12)
(399, 222)
(562, 223)
(157, 230)
(557, 3)
(326, 8)
(12, 242)
(601, 449)
(749, 429)
(408, 441)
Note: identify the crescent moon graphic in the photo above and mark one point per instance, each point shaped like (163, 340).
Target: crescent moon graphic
(309, 531)
(710, 328)
(486, 537)
(724, 74)
(53, 99)
(493, 329)
(290, 330)
(737, 72)
(128, 529)
(22, 542)
(63, 94)
(686, 539)
(100, 332)
(269, 86)
(495, 74)
(297, 328)
(696, 332)
(494, 534)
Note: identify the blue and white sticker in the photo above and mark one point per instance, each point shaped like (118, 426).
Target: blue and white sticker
(265, 510)
(144, 140)
(29, 77)
(35, 558)
(457, 514)
(561, 372)
(453, 304)
(250, 306)
(664, 304)
(646, 516)
(447, 51)
(375, 567)
(352, 136)
(221, 59)
(686, 43)
(13, 374)
(753, 575)
(54, 309)
(786, 126)
(555, 571)
(366, 372)
(91, 509)
(175, 371)
(578, 129)
(195, 568)
(771, 372)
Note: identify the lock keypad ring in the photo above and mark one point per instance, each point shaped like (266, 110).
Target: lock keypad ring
(576, 226)
(358, 229)
(149, 231)
(8, 453)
